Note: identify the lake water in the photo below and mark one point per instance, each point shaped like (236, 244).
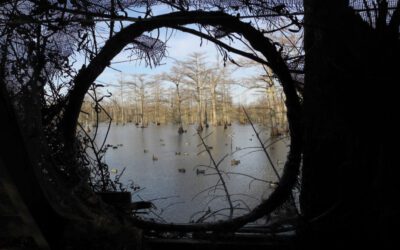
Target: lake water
(154, 158)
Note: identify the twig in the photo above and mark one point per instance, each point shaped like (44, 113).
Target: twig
(262, 145)
(216, 166)
(165, 198)
(252, 177)
(205, 190)
(170, 205)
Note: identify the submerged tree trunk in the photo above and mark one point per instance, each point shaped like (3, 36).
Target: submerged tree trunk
(179, 102)
(199, 110)
(272, 110)
(348, 166)
(214, 119)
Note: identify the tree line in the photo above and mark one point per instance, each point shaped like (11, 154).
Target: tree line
(192, 92)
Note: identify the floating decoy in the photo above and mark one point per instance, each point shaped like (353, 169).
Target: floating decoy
(200, 171)
(279, 162)
(235, 162)
(177, 153)
(114, 147)
(141, 205)
(181, 170)
(273, 185)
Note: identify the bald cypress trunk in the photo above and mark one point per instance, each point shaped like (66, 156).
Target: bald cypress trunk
(348, 165)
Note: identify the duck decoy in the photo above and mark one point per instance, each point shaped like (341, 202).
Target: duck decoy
(273, 185)
(200, 171)
(235, 162)
(141, 205)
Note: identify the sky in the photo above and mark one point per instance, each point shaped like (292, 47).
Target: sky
(179, 46)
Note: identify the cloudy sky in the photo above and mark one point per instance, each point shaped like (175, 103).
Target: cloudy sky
(179, 47)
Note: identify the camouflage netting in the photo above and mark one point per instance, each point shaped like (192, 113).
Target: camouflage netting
(368, 10)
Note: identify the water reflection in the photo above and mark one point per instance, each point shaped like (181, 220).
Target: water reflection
(170, 167)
